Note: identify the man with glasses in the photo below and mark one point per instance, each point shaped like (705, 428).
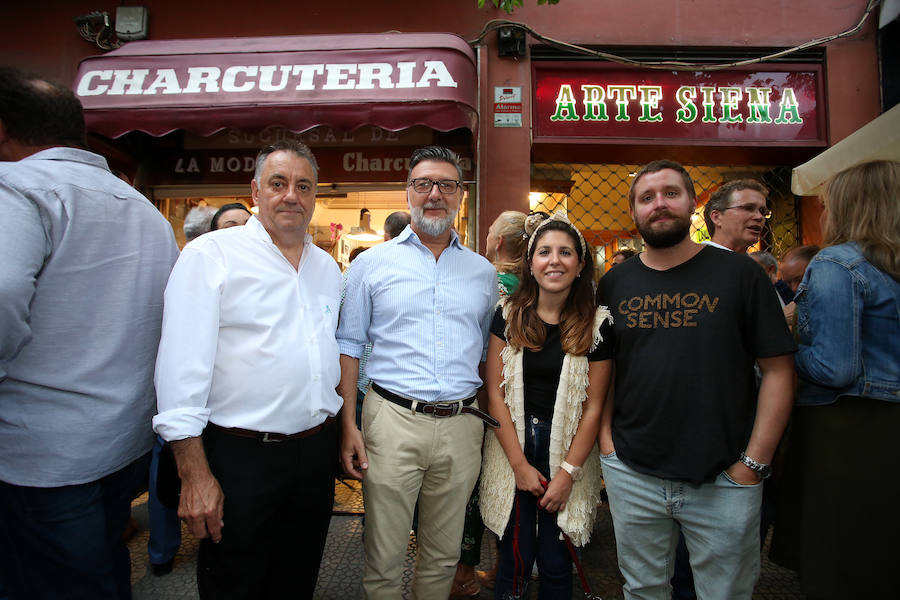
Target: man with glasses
(424, 301)
(736, 214)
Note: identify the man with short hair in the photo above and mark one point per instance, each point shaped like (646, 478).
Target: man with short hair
(736, 213)
(198, 221)
(246, 376)
(686, 438)
(794, 263)
(85, 263)
(395, 223)
(422, 438)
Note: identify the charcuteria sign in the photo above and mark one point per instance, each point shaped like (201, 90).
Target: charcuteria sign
(392, 81)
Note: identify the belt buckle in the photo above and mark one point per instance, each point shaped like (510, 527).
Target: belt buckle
(442, 409)
(266, 438)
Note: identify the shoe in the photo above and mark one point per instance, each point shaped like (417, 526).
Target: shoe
(486, 578)
(162, 569)
(467, 589)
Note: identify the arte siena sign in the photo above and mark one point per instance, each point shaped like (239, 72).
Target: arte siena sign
(584, 102)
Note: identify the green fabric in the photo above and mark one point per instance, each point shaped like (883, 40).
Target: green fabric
(507, 283)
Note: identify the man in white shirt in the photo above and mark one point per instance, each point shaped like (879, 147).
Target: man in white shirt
(736, 214)
(245, 379)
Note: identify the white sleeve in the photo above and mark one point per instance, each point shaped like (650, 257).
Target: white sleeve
(187, 348)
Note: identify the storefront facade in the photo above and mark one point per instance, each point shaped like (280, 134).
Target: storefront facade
(515, 158)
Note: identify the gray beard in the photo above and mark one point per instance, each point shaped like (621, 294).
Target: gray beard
(432, 227)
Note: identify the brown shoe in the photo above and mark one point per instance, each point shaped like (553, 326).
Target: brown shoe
(486, 578)
(465, 589)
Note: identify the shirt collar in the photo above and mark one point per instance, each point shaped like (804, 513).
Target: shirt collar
(408, 234)
(258, 230)
(70, 154)
(712, 243)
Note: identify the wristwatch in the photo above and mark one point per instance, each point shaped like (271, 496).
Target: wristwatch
(575, 472)
(762, 470)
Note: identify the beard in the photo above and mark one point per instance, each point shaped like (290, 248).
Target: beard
(667, 236)
(431, 225)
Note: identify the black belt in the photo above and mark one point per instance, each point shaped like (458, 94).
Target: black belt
(265, 436)
(438, 409)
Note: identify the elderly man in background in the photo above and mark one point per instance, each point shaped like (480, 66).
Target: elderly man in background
(395, 223)
(85, 262)
(198, 221)
(246, 376)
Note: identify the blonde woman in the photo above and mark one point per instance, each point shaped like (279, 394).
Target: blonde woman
(838, 523)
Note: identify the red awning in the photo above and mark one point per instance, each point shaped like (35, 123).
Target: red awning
(393, 81)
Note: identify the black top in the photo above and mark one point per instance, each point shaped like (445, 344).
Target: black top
(541, 368)
(685, 342)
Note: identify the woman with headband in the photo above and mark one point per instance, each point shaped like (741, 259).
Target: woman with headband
(548, 370)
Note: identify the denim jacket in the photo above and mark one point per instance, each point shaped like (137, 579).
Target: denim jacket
(848, 329)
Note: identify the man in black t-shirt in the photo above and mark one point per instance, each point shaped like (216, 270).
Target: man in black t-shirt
(686, 438)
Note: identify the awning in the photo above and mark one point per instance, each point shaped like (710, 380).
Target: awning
(880, 139)
(393, 81)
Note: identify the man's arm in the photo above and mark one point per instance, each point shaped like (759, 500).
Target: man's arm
(184, 366)
(776, 397)
(202, 501)
(604, 438)
(353, 451)
(24, 247)
(352, 335)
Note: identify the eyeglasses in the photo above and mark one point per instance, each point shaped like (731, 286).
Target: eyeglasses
(423, 185)
(751, 208)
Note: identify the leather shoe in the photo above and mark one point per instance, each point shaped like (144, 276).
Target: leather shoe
(162, 569)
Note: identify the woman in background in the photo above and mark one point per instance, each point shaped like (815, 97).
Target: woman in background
(504, 247)
(839, 523)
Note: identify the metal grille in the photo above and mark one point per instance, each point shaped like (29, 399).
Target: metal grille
(595, 197)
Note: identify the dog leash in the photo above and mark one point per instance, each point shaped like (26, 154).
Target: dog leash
(519, 564)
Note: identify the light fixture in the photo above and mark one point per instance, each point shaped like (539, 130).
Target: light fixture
(357, 234)
(364, 233)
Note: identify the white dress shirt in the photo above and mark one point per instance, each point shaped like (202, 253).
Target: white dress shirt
(428, 320)
(247, 340)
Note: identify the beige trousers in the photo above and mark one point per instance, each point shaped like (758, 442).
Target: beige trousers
(412, 456)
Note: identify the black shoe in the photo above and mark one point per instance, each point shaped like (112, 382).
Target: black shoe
(163, 569)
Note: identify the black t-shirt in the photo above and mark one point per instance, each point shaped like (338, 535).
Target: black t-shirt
(685, 341)
(541, 369)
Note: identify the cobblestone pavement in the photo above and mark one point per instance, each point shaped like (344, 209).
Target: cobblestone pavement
(341, 571)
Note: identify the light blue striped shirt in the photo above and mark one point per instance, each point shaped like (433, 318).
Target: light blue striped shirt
(428, 321)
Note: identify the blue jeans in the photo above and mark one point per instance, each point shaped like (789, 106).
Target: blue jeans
(720, 522)
(539, 537)
(66, 542)
(165, 526)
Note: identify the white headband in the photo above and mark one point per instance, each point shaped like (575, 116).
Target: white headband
(559, 216)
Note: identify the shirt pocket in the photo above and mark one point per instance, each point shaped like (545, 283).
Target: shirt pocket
(326, 310)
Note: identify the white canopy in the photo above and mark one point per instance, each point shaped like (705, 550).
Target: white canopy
(880, 139)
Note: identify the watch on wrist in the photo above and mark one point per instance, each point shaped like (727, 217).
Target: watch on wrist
(576, 473)
(762, 470)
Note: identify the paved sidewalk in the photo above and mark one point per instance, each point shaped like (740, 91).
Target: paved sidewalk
(342, 566)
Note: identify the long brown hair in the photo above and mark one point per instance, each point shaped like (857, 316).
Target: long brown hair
(525, 329)
(863, 206)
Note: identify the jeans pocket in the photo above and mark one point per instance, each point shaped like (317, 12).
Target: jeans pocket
(610, 455)
(736, 484)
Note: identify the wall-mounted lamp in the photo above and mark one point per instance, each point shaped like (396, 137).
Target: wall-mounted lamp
(511, 41)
